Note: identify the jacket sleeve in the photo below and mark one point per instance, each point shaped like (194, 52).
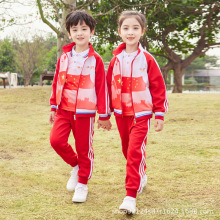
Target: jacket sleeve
(109, 82)
(54, 85)
(101, 90)
(157, 88)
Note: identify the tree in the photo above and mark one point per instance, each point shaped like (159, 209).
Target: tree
(57, 12)
(174, 29)
(181, 28)
(201, 63)
(51, 59)
(6, 56)
(29, 58)
(10, 16)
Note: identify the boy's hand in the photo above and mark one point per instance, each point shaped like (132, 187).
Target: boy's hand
(51, 117)
(104, 124)
(158, 125)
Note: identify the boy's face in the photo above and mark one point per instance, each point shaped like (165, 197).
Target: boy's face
(131, 31)
(80, 34)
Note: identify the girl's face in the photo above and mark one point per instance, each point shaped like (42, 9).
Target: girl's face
(131, 31)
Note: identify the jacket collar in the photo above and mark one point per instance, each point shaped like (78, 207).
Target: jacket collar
(67, 48)
(122, 46)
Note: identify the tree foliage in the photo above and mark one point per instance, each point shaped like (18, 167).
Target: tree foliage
(7, 61)
(174, 28)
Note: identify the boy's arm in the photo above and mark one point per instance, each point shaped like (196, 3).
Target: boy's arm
(54, 86)
(157, 88)
(101, 90)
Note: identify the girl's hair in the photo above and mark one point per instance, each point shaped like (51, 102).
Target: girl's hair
(127, 14)
(74, 17)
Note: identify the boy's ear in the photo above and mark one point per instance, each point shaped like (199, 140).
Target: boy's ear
(92, 33)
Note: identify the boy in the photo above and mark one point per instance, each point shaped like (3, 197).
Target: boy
(79, 88)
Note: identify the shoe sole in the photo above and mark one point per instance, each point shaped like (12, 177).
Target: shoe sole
(78, 201)
(71, 189)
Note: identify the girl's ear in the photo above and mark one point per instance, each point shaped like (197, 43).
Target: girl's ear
(119, 32)
(69, 36)
(143, 32)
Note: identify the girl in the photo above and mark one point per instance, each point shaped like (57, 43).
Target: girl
(137, 90)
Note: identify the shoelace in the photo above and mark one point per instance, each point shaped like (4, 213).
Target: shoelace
(81, 189)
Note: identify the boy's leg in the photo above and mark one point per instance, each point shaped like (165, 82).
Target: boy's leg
(136, 164)
(59, 137)
(83, 132)
(124, 127)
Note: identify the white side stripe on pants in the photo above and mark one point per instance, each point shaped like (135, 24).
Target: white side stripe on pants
(91, 153)
(143, 160)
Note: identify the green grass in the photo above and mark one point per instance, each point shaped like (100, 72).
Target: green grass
(183, 163)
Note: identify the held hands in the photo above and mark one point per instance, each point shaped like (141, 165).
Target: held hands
(51, 117)
(106, 124)
(158, 125)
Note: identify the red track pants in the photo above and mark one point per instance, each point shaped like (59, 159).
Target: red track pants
(83, 130)
(133, 138)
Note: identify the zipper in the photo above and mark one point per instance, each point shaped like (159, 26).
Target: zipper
(74, 116)
(78, 83)
(131, 85)
(121, 86)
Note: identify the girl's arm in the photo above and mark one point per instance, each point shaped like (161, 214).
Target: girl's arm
(109, 82)
(157, 88)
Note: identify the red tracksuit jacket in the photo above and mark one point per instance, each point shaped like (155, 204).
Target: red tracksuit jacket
(90, 96)
(148, 90)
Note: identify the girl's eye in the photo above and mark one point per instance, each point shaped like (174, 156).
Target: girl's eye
(125, 28)
(84, 29)
(74, 30)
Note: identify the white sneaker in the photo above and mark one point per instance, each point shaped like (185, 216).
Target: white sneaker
(81, 192)
(129, 205)
(143, 183)
(73, 180)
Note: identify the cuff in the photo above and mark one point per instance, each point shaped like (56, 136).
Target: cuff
(104, 117)
(53, 108)
(159, 115)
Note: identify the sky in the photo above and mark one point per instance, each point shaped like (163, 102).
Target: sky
(30, 23)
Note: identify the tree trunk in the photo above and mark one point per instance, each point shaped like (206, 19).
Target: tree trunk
(178, 74)
(63, 38)
(26, 81)
(165, 70)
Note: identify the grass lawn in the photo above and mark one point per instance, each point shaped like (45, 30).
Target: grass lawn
(183, 163)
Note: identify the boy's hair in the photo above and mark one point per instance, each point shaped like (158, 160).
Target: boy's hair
(127, 14)
(74, 17)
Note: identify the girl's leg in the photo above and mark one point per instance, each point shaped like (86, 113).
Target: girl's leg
(59, 137)
(136, 164)
(124, 127)
(83, 132)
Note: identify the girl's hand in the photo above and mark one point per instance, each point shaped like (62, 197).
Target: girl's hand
(51, 117)
(158, 125)
(106, 124)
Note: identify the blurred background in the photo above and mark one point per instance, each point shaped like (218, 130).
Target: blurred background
(183, 36)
